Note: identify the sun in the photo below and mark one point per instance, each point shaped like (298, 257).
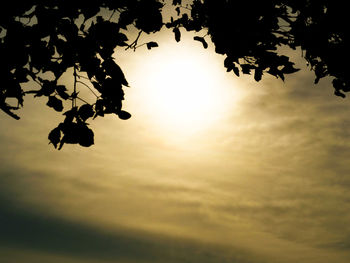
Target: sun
(182, 92)
(182, 88)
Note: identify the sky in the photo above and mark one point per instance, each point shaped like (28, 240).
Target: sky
(210, 168)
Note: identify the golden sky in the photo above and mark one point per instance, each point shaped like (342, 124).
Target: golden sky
(210, 168)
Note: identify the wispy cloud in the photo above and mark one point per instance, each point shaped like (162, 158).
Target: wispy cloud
(29, 230)
(269, 183)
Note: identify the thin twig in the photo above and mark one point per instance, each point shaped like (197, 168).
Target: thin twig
(80, 76)
(140, 45)
(88, 88)
(82, 100)
(111, 15)
(75, 87)
(133, 44)
(34, 77)
(37, 82)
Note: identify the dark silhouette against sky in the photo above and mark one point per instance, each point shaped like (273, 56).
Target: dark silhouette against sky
(236, 151)
(41, 37)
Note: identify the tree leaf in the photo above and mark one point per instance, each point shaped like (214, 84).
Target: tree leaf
(70, 115)
(113, 70)
(89, 11)
(236, 70)
(47, 88)
(121, 39)
(177, 33)
(86, 136)
(97, 86)
(152, 44)
(126, 18)
(70, 133)
(124, 115)
(340, 94)
(5, 108)
(246, 68)
(55, 136)
(202, 40)
(86, 111)
(99, 108)
(258, 74)
(61, 90)
(75, 133)
(289, 69)
(55, 103)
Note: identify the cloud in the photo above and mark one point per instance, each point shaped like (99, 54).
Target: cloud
(221, 221)
(270, 183)
(28, 230)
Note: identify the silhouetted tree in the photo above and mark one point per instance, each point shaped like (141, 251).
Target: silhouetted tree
(41, 40)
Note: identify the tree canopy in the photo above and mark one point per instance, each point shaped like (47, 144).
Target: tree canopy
(39, 37)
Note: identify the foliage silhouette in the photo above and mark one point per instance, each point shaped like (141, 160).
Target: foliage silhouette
(39, 37)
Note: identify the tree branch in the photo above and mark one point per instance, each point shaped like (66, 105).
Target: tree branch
(75, 87)
(78, 81)
(134, 44)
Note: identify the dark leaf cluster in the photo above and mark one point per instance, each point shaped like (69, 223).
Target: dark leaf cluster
(56, 37)
(249, 34)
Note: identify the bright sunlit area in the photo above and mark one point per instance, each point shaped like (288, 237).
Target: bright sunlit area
(179, 90)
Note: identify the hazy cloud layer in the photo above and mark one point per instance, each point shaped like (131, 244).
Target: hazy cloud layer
(268, 183)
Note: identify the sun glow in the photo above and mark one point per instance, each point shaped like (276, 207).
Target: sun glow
(184, 89)
(183, 92)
